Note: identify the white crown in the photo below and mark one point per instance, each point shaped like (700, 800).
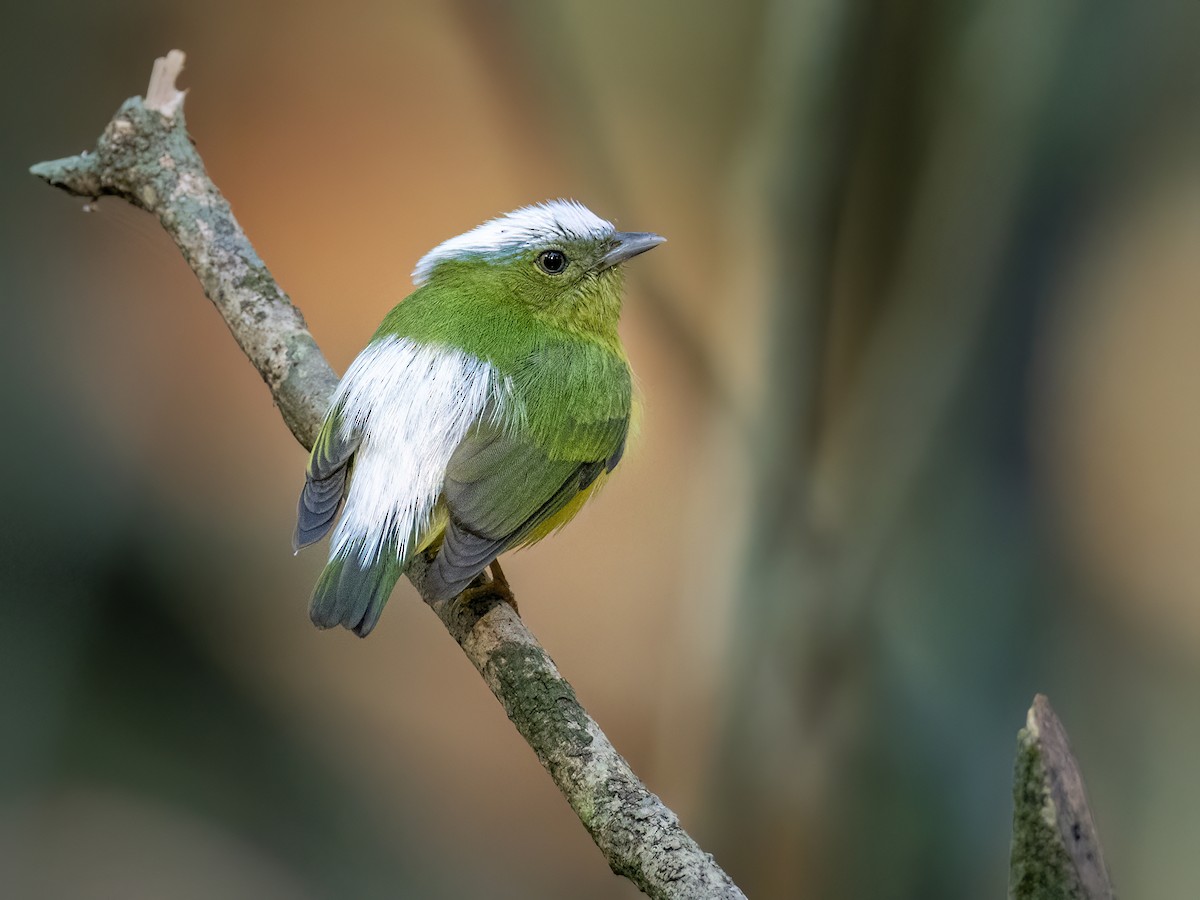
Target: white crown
(521, 229)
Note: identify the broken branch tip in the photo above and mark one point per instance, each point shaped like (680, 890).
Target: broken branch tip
(162, 95)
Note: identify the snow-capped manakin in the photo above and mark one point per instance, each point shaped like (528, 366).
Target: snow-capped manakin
(490, 404)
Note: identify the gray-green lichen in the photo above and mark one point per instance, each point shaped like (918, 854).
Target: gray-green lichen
(306, 390)
(541, 703)
(1040, 866)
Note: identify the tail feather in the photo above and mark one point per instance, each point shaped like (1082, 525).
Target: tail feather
(352, 594)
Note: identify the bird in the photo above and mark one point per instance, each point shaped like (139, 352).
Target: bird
(488, 407)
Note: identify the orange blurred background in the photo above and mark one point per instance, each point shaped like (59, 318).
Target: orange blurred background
(920, 440)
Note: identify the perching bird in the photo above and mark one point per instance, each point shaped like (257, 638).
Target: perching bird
(490, 404)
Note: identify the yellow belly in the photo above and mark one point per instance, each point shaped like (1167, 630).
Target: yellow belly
(566, 514)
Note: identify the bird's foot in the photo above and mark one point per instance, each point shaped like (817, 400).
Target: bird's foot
(495, 586)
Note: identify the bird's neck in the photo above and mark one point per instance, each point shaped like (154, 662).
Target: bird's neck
(593, 315)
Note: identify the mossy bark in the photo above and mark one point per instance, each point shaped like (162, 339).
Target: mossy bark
(1056, 852)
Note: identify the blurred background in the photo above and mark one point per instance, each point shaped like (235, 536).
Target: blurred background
(921, 440)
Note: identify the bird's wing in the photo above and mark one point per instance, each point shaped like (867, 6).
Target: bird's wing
(325, 481)
(499, 488)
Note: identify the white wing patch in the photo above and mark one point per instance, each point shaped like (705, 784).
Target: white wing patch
(412, 403)
(521, 229)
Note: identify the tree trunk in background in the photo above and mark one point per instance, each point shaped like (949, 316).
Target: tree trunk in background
(892, 198)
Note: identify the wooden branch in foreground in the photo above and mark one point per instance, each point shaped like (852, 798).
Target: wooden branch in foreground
(146, 157)
(1055, 849)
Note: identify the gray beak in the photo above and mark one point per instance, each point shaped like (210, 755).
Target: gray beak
(628, 245)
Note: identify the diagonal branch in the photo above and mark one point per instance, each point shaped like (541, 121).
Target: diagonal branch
(146, 157)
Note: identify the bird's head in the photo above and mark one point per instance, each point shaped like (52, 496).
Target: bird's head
(559, 259)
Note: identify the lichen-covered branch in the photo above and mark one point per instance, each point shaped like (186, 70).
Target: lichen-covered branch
(1055, 849)
(145, 156)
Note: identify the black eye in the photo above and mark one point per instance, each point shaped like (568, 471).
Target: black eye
(552, 262)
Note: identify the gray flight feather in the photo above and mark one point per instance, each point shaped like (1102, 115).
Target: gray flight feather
(325, 483)
(498, 490)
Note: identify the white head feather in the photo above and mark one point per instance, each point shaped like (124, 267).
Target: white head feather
(521, 229)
